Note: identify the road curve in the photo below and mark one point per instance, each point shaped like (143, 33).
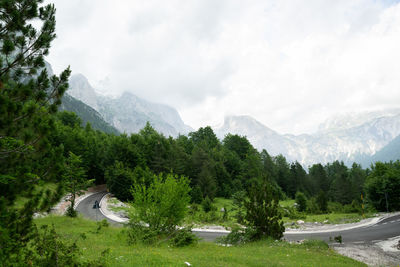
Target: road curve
(387, 228)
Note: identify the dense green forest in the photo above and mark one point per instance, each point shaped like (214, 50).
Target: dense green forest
(218, 168)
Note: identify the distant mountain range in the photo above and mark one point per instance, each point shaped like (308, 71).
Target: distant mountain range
(352, 138)
(362, 137)
(128, 113)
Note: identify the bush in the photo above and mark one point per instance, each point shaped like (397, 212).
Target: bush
(183, 237)
(301, 201)
(335, 207)
(207, 204)
(71, 212)
(353, 207)
(196, 195)
(262, 212)
(162, 205)
(322, 202)
(141, 234)
(237, 236)
(312, 206)
(238, 203)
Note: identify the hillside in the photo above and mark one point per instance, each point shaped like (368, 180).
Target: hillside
(128, 112)
(87, 114)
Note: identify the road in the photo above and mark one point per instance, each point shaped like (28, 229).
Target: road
(387, 228)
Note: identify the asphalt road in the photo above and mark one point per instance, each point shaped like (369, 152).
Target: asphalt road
(387, 228)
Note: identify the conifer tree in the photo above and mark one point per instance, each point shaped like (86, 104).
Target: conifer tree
(75, 180)
(28, 100)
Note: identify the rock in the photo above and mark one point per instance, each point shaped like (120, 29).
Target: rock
(300, 222)
(326, 221)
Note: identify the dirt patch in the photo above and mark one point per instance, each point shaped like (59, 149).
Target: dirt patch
(370, 254)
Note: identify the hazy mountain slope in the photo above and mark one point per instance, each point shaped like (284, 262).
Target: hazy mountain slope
(332, 143)
(390, 152)
(87, 114)
(80, 88)
(128, 113)
(258, 134)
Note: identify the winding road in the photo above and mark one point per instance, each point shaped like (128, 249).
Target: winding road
(384, 229)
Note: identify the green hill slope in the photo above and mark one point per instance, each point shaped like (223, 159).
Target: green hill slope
(87, 114)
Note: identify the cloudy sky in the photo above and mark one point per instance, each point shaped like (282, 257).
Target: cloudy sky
(288, 63)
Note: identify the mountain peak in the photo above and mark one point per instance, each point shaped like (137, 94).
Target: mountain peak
(243, 125)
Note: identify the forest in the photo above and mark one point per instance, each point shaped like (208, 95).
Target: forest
(220, 168)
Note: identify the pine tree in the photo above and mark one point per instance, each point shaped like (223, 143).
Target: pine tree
(28, 100)
(262, 212)
(75, 180)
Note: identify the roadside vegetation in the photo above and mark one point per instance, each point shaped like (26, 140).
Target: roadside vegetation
(110, 246)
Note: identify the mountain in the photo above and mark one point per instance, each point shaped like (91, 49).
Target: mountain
(128, 113)
(390, 152)
(258, 134)
(80, 88)
(334, 141)
(87, 114)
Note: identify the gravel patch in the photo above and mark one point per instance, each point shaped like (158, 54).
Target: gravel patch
(370, 254)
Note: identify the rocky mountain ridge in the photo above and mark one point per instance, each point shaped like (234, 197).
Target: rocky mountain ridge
(128, 113)
(346, 143)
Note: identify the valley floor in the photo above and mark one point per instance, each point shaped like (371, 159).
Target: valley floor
(120, 253)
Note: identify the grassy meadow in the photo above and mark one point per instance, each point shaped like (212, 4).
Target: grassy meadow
(114, 240)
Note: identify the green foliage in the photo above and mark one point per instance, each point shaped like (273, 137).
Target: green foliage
(322, 202)
(86, 114)
(207, 205)
(75, 181)
(196, 195)
(262, 212)
(48, 249)
(162, 204)
(119, 181)
(28, 100)
(183, 237)
(237, 236)
(383, 186)
(312, 206)
(238, 202)
(301, 201)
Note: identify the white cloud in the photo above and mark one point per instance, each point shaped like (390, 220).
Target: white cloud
(288, 63)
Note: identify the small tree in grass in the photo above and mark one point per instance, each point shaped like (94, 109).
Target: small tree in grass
(263, 217)
(322, 202)
(75, 180)
(301, 201)
(162, 205)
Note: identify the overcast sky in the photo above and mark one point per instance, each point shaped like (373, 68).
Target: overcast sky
(288, 63)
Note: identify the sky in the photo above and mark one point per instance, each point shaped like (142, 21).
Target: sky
(290, 64)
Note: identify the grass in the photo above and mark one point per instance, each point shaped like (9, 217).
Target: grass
(199, 218)
(265, 253)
